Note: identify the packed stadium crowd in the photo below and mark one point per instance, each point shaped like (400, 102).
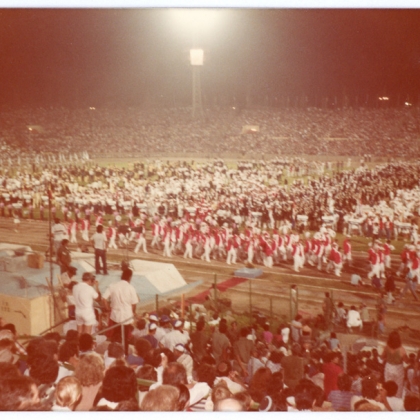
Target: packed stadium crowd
(207, 364)
(257, 212)
(29, 134)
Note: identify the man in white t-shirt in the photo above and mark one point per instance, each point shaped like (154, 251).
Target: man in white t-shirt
(123, 300)
(84, 294)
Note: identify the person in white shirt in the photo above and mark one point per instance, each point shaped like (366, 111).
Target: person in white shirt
(58, 232)
(353, 319)
(84, 294)
(176, 336)
(99, 244)
(123, 300)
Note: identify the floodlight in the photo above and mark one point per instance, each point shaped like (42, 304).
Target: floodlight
(196, 57)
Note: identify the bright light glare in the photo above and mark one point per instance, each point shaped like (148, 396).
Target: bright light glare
(196, 57)
(92, 108)
(383, 98)
(200, 20)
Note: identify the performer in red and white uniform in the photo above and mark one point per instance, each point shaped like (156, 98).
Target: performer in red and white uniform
(72, 228)
(111, 235)
(99, 220)
(141, 239)
(166, 232)
(387, 253)
(347, 258)
(231, 248)
(85, 226)
(298, 255)
(155, 233)
(405, 253)
(307, 249)
(337, 261)
(187, 241)
(374, 260)
(269, 246)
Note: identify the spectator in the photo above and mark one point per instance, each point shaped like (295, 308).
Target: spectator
(90, 372)
(163, 398)
(341, 397)
(68, 394)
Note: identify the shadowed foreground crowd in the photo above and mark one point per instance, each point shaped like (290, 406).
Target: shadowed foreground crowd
(217, 367)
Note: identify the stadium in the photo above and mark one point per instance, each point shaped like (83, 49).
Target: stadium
(209, 219)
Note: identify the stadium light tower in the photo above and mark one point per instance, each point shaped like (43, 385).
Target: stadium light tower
(196, 60)
(195, 23)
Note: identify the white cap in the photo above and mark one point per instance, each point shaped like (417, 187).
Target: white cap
(180, 347)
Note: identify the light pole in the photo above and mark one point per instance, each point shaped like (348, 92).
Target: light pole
(196, 60)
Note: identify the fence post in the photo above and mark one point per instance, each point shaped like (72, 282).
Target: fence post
(293, 301)
(250, 300)
(182, 306)
(271, 310)
(215, 291)
(123, 337)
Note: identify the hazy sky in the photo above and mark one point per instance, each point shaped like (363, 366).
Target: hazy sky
(133, 56)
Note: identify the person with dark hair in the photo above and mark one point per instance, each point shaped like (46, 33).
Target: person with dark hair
(331, 370)
(184, 398)
(113, 353)
(8, 370)
(128, 405)
(18, 393)
(258, 386)
(242, 350)
(411, 403)
(305, 397)
(123, 301)
(68, 357)
(86, 343)
(394, 356)
(151, 335)
(220, 343)
(58, 232)
(43, 365)
(206, 373)
(391, 389)
(370, 393)
(293, 366)
(340, 398)
(98, 240)
(72, 336)
(174, 374)
(119, 384)
(63, 256)
(198, 342)
(296, 328)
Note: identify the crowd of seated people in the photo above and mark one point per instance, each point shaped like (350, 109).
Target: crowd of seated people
(219, 366)
(29, 132)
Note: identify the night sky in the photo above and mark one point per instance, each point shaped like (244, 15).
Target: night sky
(135, 57)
